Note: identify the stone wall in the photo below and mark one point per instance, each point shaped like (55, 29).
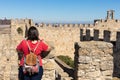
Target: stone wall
(93, 60)
(49, 69)
(63, 38)
(87, 34)
(8, 59)
(64, 34)
(112, 36)
(63, 72)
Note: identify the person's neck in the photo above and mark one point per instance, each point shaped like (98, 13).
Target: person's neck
(34, 42)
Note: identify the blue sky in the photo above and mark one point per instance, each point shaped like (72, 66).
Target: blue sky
(58, 10)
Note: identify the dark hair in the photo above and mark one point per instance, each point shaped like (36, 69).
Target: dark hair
(33, 33)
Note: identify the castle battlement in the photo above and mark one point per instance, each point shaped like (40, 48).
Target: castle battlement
(63, 37)
(111, 36)
(64, 25)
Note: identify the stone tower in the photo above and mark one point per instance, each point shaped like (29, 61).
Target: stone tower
(110, 14)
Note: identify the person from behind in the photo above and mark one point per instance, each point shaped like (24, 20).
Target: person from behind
(30, 65)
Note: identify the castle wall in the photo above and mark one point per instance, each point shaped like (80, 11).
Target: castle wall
(9, 62)
(96, 35)
(67, 34)
(118, 41)
(92, 60)
(54, 34)
(108, 24)
(87, 34)
(62, 37)
(8, 59)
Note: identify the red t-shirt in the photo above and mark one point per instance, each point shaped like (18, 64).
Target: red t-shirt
(23, 47)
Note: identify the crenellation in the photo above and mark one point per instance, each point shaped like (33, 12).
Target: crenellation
(96, 35)
(88, 36)
(45, 25)
(76, 25)
(118, 41)
(63, 25)
(91, 25)
(87, 25)
(68, 25)
(81, 35)
(49, 25)
(97, 21)
(102, 20)
(63, 36)
(84, 25)
(117, 20)
(107, 36)
(59, 25)
(71, 25)
(80, 25)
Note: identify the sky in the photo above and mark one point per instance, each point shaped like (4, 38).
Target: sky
(58, 11)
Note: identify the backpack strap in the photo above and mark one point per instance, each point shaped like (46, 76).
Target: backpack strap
(28, 46)
(34, 48)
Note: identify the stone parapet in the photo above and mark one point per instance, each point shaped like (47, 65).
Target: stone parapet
(94, 60)
(49, 69)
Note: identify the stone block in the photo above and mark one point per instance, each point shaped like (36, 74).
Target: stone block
(107, 73)
(106, 65)
(84, 59)
(94, 74)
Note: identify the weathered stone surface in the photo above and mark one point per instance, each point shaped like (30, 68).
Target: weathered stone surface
(48, 64)
(63, 37)
(95, 61)
(106, 65)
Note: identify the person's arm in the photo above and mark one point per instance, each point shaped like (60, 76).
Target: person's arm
(47, 48)
(49, 44)
(19, 51)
